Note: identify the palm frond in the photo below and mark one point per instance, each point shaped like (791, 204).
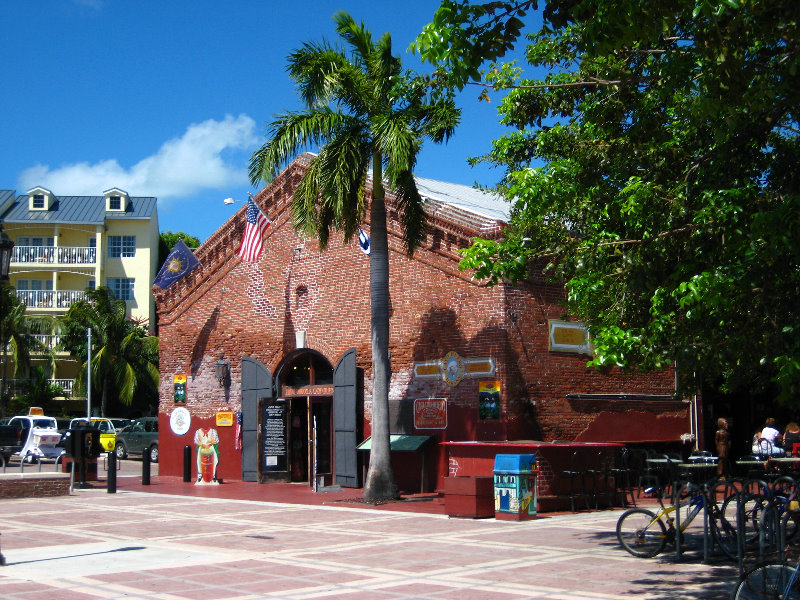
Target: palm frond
(289, 134)
(355, 34)
(411, 208)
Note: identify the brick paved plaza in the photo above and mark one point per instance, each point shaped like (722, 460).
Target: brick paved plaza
(137, 544)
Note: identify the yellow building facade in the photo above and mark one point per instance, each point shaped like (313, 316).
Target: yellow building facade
(66, 244)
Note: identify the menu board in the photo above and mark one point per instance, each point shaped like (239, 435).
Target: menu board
(273, 436)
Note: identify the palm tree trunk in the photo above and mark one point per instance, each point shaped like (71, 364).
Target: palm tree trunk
(380, 483)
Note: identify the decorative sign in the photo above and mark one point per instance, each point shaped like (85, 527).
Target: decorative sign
(569, 336)
(179, 384)
(180, 420)
(430, 413)
(225, 419)
(489, 400)
(452, 368)
(273, 436)
(428, 369)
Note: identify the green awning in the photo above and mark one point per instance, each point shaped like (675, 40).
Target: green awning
(398, 442)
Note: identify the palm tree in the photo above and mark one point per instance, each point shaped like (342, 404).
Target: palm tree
(19, 340)
(363, 111)
(124, 357)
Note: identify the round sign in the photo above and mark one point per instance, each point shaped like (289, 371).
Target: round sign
(453, 369)
(179, 420)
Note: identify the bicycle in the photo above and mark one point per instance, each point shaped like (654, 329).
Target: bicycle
(644, 533)
(783, 493)
(773, 581)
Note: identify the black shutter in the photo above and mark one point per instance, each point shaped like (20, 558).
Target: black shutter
(345, 420)
(256, 384)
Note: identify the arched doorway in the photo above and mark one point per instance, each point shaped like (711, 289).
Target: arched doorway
(305, 384)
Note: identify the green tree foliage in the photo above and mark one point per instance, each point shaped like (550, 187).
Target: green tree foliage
(38, 390)
(668, 197)
(19, 342)
(364, 112)
(124, 357)
(168, 239)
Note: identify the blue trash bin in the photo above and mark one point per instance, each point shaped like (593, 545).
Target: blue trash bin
(515, 493)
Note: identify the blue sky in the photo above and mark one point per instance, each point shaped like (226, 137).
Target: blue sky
(170, 99)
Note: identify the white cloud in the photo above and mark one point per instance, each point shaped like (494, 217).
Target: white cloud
(181, 167)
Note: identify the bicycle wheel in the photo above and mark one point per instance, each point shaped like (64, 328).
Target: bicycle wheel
(641, 532)
(767, 582)
(752, 507)
(724, 534)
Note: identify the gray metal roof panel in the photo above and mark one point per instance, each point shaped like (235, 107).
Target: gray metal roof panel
(79, 209)
(493, 206)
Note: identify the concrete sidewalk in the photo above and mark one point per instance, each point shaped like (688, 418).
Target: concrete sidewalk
(161, 545)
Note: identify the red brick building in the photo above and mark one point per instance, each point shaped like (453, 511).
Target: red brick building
(468, 362)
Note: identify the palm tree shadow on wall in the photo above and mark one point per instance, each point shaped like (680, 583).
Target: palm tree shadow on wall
(438, 334)
(200, 345)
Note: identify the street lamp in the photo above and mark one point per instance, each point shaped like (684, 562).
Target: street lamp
(222, 369)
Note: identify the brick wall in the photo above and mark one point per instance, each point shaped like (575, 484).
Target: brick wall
(241, 309)
(33, 485)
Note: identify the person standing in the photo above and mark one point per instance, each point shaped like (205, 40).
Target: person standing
(723, 443)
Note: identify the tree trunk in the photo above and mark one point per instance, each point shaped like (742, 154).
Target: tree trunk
(380, 483)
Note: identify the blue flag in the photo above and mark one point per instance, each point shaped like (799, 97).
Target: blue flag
(363, 241)
(179, 262)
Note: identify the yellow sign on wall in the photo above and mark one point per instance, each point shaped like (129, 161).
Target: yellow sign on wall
(224, 419)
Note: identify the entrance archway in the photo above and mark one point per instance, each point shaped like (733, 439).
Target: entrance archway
(305, 384)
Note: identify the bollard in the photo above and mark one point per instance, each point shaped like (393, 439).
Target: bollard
(112, 473)
(187, 464)
(146, 466)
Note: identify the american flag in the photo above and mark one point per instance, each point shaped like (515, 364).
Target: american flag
(253, 238)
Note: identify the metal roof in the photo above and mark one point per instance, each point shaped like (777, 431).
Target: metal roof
(465, 197)
(77, 209)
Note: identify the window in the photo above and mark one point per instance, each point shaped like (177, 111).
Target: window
(121, 288)
(114, 203)
(35, 284)
(121, 246)
(90, 284)
(38, 201)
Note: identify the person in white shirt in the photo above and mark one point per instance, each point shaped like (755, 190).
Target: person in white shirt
(770, 440)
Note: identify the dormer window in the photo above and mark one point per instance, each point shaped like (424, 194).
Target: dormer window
(116, 200)
(40, 198)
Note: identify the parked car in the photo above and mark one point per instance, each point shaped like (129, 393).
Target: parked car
(36, 436)
(108, 433)
(120, 423)
(140, 435)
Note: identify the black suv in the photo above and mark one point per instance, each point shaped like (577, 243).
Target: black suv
(141, 435)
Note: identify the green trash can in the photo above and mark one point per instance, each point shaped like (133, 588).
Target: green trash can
(515, 496)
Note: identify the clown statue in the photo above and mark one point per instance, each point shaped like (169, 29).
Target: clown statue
(207, 442)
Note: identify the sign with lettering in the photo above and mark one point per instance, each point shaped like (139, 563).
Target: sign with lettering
(569, 336)
(273, 436)
(225, 419)
(430, 413)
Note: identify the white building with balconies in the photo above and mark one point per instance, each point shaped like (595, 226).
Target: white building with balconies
(66, 244)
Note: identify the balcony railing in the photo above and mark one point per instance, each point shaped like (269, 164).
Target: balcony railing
(52, 255)
(17, 386)
(50, 298)
(49, 341)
